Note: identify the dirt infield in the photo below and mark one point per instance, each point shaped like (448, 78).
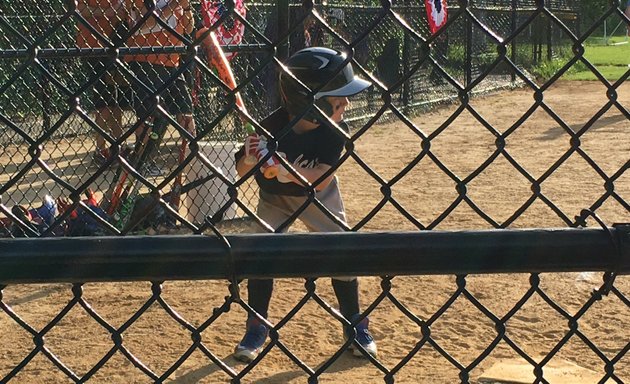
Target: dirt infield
(426, 192)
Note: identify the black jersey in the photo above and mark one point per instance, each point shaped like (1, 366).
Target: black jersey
(321, 145)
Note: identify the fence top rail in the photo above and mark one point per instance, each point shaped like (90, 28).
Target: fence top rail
(119, 52)
(135, 258)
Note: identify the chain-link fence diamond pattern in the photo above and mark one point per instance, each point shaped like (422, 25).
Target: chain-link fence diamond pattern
(115, 122)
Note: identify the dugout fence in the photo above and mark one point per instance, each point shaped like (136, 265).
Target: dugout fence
(40, 102)
(401, 60)
(47, 135)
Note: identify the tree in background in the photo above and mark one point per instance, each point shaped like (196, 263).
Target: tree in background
(591, 10)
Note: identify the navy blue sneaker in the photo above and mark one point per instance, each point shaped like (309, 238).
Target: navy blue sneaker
(152, 169)
(364, 338)
(100, 157)
(253, 341)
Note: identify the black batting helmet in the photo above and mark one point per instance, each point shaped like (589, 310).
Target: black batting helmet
(316, 67)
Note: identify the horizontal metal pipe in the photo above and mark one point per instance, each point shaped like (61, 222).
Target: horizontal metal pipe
(313, 255)
(58, 53)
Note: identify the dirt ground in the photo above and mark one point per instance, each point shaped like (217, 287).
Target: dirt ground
(462, 332)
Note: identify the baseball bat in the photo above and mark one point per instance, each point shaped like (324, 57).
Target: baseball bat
(113, 193)
(216, 57)
(175, 198)
(128, 196)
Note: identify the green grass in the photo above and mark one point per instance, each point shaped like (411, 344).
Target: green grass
(610, 60)
(608, 54)
(603, 42)
(611, 73)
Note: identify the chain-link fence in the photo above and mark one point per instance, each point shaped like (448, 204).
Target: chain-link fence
(469, 328)
(541, 38)
(117, 119)
(56, 97)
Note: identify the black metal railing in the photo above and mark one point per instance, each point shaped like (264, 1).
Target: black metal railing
(236, 257)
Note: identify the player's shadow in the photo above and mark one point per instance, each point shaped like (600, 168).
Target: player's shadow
(556, 132)
(345, 362)
(199, 374)
(39, 294)
(281, 377)
(196, 375)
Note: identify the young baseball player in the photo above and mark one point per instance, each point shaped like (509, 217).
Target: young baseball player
(313, 149)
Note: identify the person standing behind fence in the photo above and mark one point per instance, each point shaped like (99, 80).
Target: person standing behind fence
(388, 63)
(110, 94)
(156, 69)
(628, 16)
(313, 149)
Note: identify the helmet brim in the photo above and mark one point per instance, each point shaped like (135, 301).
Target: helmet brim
(355, 86)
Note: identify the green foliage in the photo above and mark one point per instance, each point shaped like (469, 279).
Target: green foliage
(592, 10)
(548, 68)
(456, 54)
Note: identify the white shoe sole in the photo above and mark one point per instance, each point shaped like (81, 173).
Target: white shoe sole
(245, 355)
(371, 350)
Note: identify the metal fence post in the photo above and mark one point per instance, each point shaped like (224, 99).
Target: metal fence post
(406, 92)
(469, 48)
(578, 22)
(44, 87)
(549, 40)
(513, 16)
(283, 27)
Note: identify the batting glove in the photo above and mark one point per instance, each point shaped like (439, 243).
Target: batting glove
(255, 148)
